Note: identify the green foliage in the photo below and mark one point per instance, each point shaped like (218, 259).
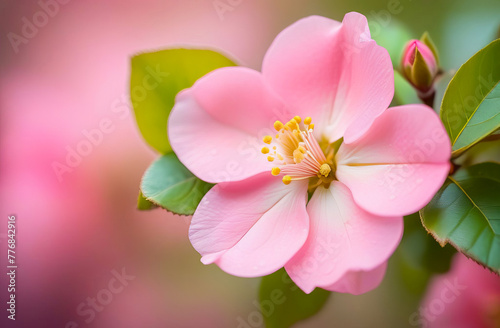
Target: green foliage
(143, 204)
(169, 184)
(470, 109)
(465, 213)
(284, 304)
(155, 80)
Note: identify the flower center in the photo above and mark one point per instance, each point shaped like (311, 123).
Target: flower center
(298, 154)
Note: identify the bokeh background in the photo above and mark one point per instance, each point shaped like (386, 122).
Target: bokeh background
(75, 230)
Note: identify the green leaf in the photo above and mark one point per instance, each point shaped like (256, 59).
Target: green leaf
(169, 184)
(466, 213)
(156, 79)
(143, 204)
(470, 109)
(404, 92)
(283, 304)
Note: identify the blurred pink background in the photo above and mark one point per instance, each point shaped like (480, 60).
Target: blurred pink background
(75, 231)
(467, 296)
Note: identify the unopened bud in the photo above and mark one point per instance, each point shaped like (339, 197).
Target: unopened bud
(419, 65)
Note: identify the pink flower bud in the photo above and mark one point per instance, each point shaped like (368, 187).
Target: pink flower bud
(419, 65)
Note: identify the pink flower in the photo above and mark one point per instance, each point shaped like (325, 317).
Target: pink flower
(419, 65)
(390, 161)
(467, 296)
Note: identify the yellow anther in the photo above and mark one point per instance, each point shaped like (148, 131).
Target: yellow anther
(311, 126)
(324, 170)
(270, 158)
(302, 149)
(294, 125)
(280, 157)
(297, 119)
(274, 147)
(307, 120)
(287, 179)
(267, 139)
(298, 156)
(289, 126)
(265, 150)
(275, 171)
(278, 125)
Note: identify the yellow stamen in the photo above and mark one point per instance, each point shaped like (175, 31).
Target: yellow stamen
(298, 156)
(267, 139)
(325, 169)
(278, 125)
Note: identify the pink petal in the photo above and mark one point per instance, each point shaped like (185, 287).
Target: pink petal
(342, 238)
(253, 227)
(216, 127)
(399, 164)
(332, 72)
(359, 282)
